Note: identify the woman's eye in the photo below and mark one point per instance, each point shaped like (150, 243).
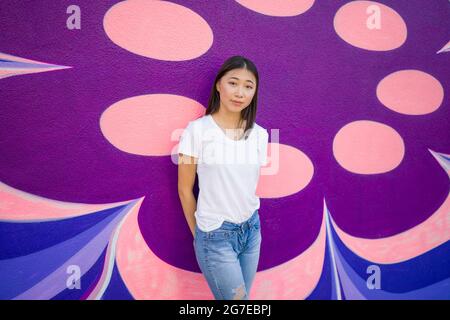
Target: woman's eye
(233, 83)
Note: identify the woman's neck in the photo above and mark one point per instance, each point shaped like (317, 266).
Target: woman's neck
(228, 120)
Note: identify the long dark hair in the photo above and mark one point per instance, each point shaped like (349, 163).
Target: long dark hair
(249, 113)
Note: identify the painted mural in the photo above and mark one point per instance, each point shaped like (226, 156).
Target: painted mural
(355, 200)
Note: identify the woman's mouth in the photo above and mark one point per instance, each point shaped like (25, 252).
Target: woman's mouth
(237, 102)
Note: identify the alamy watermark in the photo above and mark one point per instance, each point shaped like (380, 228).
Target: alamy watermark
(374, 280)
(73, 281)
(241, 152)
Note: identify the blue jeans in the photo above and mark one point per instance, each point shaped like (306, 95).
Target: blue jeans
(228, 257)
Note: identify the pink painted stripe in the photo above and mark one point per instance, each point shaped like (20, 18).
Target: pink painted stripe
(406, 245)
(16, 205)
(148, 277)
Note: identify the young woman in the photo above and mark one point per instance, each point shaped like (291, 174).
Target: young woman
(226, 148)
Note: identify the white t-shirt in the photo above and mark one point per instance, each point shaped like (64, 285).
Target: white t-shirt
(228, 171)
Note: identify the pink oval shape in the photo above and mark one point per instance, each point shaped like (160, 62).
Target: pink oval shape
(288, 171)
(370, 25)
(368, 147)
(278, 8)
(158, 29)
(412, 92)
(149, 124)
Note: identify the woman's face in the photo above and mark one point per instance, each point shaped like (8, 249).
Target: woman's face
(237, 85)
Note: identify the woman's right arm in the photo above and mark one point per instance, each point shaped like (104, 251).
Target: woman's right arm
(187, 168)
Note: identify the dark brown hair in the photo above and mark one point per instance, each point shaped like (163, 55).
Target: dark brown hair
(249, 113)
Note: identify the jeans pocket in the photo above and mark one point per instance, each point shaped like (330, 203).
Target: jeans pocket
(218, 234)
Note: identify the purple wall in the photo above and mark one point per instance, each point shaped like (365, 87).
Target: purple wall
(354, 202)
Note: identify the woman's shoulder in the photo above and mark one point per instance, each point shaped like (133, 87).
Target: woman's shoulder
(200, 121)
(198, 126)
(260, 129)
(196, 123)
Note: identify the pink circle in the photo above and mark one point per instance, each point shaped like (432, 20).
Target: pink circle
(149, 124)
(370, 25)
(412, 92)
(288, 171)
(368, 147)
(158, 29)
(278, 8)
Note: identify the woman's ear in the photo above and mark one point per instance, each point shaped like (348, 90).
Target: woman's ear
(217, 86)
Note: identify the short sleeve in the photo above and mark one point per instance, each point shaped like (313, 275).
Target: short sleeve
(189, 143)
(263, 142)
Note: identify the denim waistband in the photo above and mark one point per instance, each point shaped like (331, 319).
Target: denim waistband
(227, 225)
